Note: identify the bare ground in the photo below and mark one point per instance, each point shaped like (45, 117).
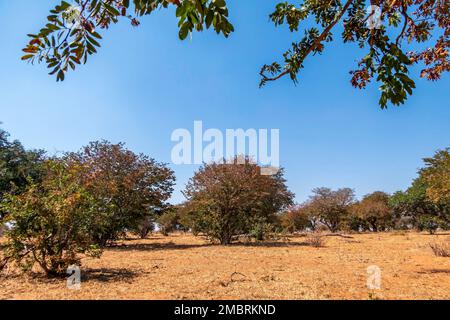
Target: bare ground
(185, 267)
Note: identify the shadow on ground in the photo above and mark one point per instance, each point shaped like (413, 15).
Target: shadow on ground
(156, 246)
(433, 271)
(175, 246)
(271, 244)
(109, 275)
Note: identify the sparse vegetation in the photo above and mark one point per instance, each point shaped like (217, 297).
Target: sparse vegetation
(315, 240)
(441, 248)
(182, 267)
(71, 208)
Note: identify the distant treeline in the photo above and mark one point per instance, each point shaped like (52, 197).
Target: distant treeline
(55, 209)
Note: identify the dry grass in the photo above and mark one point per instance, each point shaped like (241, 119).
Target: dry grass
(185, 267)
(315, 240)
(441, 249)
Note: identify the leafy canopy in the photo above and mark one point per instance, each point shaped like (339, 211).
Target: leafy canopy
(51, 221)
(234, 198)
(134, 186)
(410, 32)
(17, 165)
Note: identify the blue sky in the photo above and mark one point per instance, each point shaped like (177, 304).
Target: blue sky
(145, 83)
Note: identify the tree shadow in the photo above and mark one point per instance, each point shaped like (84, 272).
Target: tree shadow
(270, 244)
(156, 246)
(434, 271)
(437, 234)
(87, 275)
(175, 246)
(109, 275)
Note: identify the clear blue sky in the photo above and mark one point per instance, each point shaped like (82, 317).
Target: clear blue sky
(144, 83)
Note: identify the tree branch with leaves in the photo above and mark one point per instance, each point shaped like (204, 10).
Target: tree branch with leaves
(395, 35)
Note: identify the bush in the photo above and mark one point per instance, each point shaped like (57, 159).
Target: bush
(144, 227)
(355, 223)
(168, 222)
(315, 240)
(261, 230)
(52, 222)
(441, 249)
(296, 219)
(191, 219)
(429, 223)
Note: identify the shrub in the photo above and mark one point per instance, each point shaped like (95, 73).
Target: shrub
(429, 223)
(261, 230)
(168, 222)
(2, 229)
(145, 226)
(441, 249)
(191, 219)
(296, 219)
(51, 222)
(315, 240)
(355, 223)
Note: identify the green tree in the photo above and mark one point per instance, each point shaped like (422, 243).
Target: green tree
(169, 222)
(17, 165)
(413, 203)
(191, 217)
(436, 174)
(136, 186)
(232, 198)
(410, 32)
(429, 223)
(51, 223)
(427, 202)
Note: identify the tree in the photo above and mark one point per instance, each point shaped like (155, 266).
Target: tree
(437, 176)
(231, 198)
(374, 208)
(395, 35)
(297, 218)
(168, 222)
(429, 223)
(191, 217)
(17, 165)
(145, 226)
(413, 203)
(332, 207)
(135, 186)
(51, 222)
(427, 201)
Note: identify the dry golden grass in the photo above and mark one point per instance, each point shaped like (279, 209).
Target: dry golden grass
(185, 267)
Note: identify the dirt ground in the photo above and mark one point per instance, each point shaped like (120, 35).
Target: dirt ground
(185, 267)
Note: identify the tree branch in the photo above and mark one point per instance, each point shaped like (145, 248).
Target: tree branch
(316, 43)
